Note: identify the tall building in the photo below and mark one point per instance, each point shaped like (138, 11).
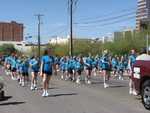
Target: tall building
(143, 13)
(11, 31)
(118, 35)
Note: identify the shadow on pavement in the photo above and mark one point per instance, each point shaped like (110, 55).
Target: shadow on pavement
(48, 88)
(138, 97)
(117, 86)
(5, 98)
(11, 103)
(57, 95)
(97, 82)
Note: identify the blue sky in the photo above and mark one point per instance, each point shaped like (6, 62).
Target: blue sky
(56, 16)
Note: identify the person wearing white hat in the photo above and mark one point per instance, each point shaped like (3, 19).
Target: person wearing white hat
(105, 68)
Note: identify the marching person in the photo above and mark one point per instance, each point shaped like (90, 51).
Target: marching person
(71, 69)
(79, 69)
(13, 67)
(47, 63)
(120, 68)
(56, 65)
(18, 69)
(63, 67)
(34, 66)
(95, 65)
(132, 59)
(88, 64)
(105, 68)
(7, 65)
(114, 63)
(24, 68)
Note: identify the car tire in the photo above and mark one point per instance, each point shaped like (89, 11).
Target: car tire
(146, 94)
(2, 95)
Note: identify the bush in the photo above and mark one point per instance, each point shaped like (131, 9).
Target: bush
(7, 49)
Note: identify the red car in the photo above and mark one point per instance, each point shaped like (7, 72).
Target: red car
(141, 78)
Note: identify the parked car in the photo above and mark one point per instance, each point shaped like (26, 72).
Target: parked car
(1, 91)
(141, 79)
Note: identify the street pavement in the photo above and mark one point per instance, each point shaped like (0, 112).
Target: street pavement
(68, 97)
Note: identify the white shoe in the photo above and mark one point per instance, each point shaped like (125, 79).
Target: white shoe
(12, 78)
(67, 78)
(46, 94)
(130, 91)
(86, 80)
(106, 85)
(32, 88)
(89, 82)
(121, 78)
(73, 78)
(35, 88)
(22, 84)
(78, 81)
(62, 77)
(15, 78)
(34, 85)
(43, 95)
(134, 93)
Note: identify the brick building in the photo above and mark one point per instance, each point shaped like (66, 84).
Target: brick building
(11, 31)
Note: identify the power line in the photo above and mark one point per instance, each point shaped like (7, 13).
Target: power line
(108, 19)
(58, 28)
(74, 5)
(110, 23)
(60, 31)
(103, 25)
(107, 15)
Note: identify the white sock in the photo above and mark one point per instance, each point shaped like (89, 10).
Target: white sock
(104, 80)
(32, 84)
(46, 91)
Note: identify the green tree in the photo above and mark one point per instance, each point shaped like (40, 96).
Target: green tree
(7, 49)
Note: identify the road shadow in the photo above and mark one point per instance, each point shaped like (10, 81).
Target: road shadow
(138, 97)
(40, 88)
(63, 94)
(11, 103)
(117, 86)
(5, 98)
(98, 82)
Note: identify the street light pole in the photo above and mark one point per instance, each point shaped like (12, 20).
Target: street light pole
(39, 34)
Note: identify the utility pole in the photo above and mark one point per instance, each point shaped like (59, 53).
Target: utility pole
(71, 27)
(39, 34)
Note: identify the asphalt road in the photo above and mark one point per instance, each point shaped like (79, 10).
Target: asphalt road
(67, 97)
